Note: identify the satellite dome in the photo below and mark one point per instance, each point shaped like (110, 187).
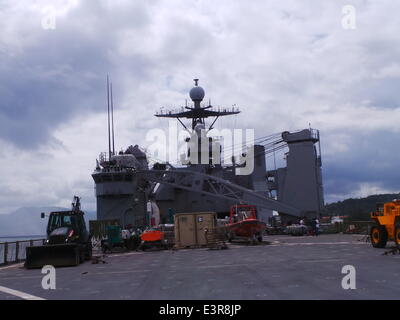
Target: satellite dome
(197, 93)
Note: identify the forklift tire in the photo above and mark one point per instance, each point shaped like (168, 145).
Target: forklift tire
(379, 236)
(397, 234)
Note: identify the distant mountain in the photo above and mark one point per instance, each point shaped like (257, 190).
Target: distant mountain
(27, 221)
(358, 209)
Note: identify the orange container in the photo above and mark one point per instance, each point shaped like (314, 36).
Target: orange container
(152, 235)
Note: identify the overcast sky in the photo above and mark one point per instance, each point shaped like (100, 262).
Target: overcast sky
(284, 63)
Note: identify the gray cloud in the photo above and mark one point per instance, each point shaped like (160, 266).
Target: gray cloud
(61, 73)
(285, 64)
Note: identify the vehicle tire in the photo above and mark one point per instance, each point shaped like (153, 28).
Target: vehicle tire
(397, 234)
(379, 236)
(81, 254)
(260, 237)
(103, 246)
(77, 257)
(165, 244)
(88, 254)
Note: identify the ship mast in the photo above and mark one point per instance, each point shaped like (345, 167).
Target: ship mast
(108, 118)
(197, 113)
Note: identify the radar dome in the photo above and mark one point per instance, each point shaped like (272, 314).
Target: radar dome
(197, 93)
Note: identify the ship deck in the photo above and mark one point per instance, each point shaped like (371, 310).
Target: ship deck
(286, 268)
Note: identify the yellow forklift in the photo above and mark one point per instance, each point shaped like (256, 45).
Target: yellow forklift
(387, 224)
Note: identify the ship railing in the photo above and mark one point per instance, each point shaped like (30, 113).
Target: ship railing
(115, 169)
(314, 133)
(15, 251)
(103, 157)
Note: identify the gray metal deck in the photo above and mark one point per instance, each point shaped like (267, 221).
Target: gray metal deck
(288, 268)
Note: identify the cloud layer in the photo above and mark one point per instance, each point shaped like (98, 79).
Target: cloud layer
(285, 64)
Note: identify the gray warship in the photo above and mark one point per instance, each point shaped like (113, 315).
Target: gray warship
(288, 268)
(126, 186)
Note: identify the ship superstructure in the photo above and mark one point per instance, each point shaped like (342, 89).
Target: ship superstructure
(125, 184)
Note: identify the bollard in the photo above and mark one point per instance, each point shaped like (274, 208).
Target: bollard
(16, 251)
(5, 252)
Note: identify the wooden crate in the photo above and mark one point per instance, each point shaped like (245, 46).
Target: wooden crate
(189, 228)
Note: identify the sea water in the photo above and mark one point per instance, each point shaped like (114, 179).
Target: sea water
(11, 252)
(20, 238)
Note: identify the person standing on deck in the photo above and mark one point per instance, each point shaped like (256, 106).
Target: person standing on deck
(316, 226)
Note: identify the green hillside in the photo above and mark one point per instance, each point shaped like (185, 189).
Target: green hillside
(358, 209)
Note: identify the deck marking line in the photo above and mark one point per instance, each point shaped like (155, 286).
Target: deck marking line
(12, 266)
(21, 277)
(312, 243)
(19, 294)
(124, 254)
(119, 272)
